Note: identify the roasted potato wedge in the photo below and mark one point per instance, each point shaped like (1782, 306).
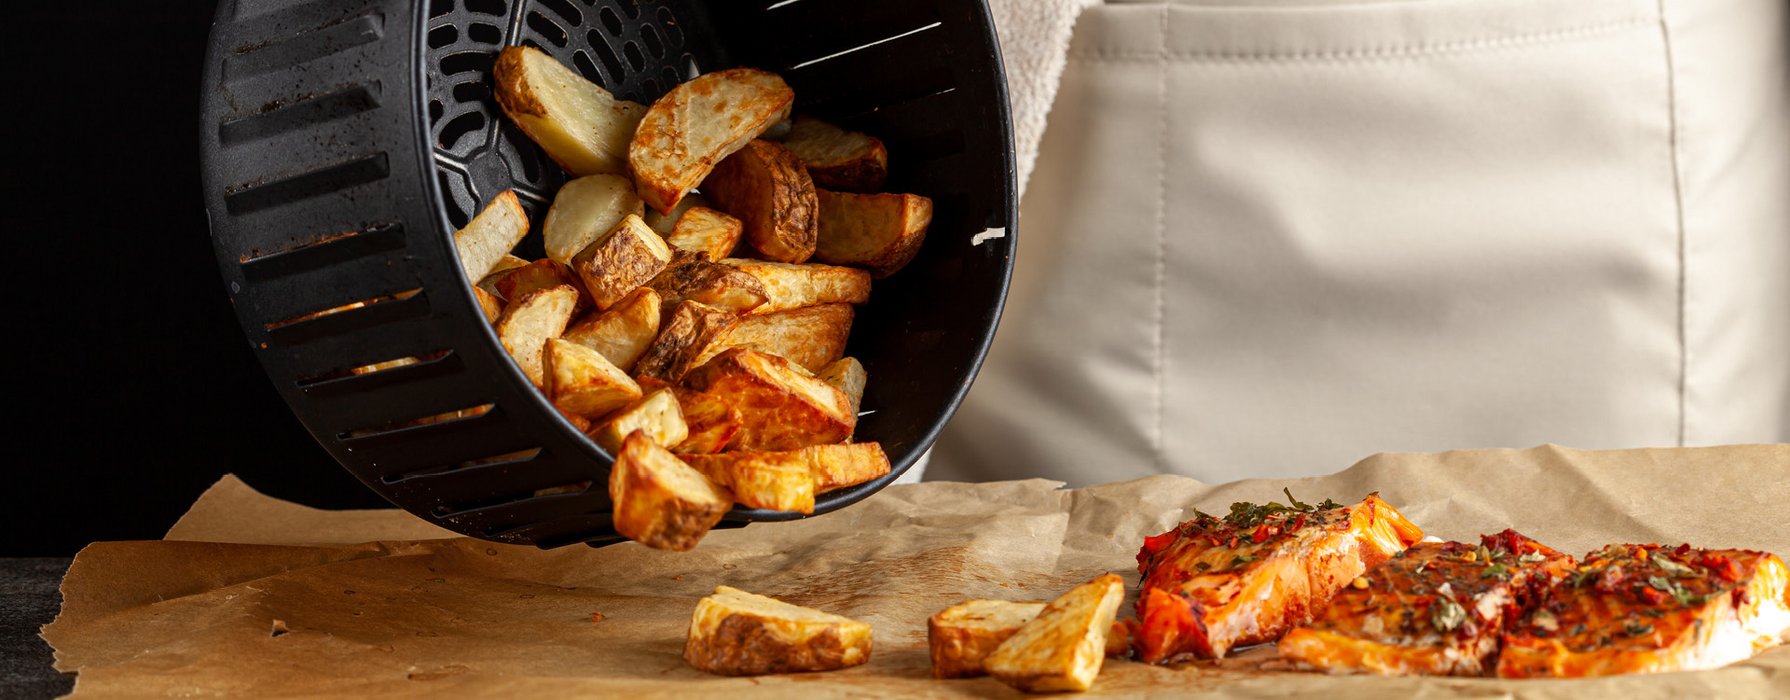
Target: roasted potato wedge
(488, 303)
(705, 230)
(847, 374)
(491, 235)
(711, 420)
(537, 275)
(624, 332)
(585, 211)
(583, 382)
(693, 326)
(838, 159)
(527, 323)
(838, 466)
(666, 222)
(1062, 648)
(780, 407)
(693, 277)
(657, 415)
(580, 125)
(812, 336)
(630, 256)
(699, 123)
(961, 636)
(770, 480)
(879, 232)
(659, 501)
(765, 187)
(790, 286)
(735, 633)
(498, 271)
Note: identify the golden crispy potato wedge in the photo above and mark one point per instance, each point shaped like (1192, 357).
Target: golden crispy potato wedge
(780, 407)
(961, 636)
(771, 480)
(847, 374)
(705, 230)
(581, 126)
(838, 466)
(790, 286)
(624, 332)
(1062, 648)
(712, 422)
(666, 222)
(693, 326)
(581, 381)
(880, 232)
(488, 303)
(660, 501)
(585, 211)
(693, 277)
(838, 159)
(630, 256)
(491, 235)
(657, 414)
(735, 633)
(527, 323)
(765, 187)
(498, 271)
(580, 422)
(537, 275)
(812, 336)
(699, 123)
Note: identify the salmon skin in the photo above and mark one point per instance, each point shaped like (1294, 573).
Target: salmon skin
(1436, 608)
(1213, 584)
(1630, 608)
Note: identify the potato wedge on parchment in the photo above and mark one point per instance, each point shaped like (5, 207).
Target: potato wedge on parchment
(699, 123)
(838, 159)
(657, 415)
(781, 407)
(624, 332)
(489, 237)
(812, 336)
(582, 382)
(659, 501)
(584, 211)
(735, 633)
(879, 232)
(693, 326)
(960, 637)
(765, 187)
(628, 257)
(528, 322)
(790, 286)
(705, 230)
(694, 277)
(1062, 648)
(580, 125)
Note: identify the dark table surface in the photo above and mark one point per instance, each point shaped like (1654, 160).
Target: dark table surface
(29, 600)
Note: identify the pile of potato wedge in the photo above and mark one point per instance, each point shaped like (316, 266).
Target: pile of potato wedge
(703, 262)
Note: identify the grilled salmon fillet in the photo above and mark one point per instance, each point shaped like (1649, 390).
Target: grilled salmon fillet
(1436, 608)
(1213, 584)
(1632, 608)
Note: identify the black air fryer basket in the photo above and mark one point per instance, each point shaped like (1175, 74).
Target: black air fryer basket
(345, 140)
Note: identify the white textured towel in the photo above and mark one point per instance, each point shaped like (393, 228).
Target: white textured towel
(1034, 46)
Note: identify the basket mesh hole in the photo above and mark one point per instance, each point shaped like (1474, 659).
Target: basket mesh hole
(581, 61)
(565, 10)
(394, 426)
(460, 127)
(496, 8)
(435, 110)
(631, 7)
(438, 8)
(471, 92)
(673, 33)
(654, 45)
(600, 47)
(468, 62)
(443, 35)
(612, 22)
(636, 59)
(484, 33)
(547, 29)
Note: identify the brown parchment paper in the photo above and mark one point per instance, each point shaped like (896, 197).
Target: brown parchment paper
(379, 604)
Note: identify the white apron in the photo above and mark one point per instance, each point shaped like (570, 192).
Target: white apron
(1268, 239)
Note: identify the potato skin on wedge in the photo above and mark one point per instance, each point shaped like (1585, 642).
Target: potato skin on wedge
(698, 124)
(767, 189)
(735, 633)
(879, 232)
(838, 159)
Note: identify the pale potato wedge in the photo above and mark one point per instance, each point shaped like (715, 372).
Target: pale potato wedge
(527, 323)
(585, 211)
(765, 187)
(581, 126)
(712, 422)
(694, 277)
(624, 332)
(879, 232)
(1062, 648)
(838, 159)
(780, 407)
(838, 466)
(630, 256)
(699, 123)
(735, 633)
(705, 230)
(693, 326)
(537, 275)
(657, 414)
(770, 480)
(659, 501)
(812, 336)
(491, 235)
(498, 271)
(790, 286)
(666, 222)
(961, 636)
(582, 382)
(488, 303)
(847, 374)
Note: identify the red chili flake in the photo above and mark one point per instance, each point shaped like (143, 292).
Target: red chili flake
(1724, 567)
(1652, 595)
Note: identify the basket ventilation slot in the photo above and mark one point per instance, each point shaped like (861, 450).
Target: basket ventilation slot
(256, 196)
(326, 41)
(278, 118)
(395, 426)
(330, 250)
(349, 317)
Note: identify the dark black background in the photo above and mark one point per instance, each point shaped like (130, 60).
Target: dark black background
(131, 385)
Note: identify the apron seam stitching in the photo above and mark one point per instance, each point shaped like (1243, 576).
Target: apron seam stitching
(1387, 52)
(1161, 271)
(1673, 148)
